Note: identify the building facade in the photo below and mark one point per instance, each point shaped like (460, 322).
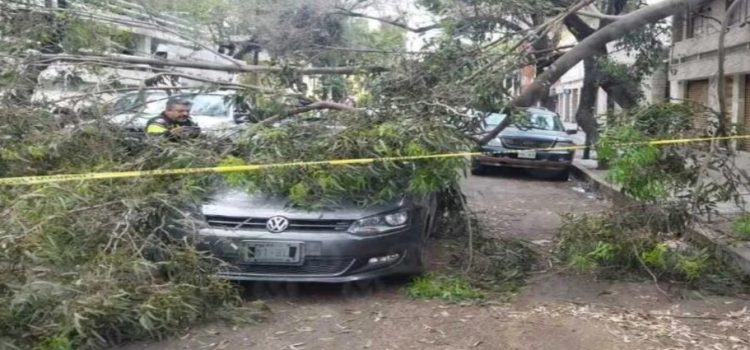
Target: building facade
(694, 62)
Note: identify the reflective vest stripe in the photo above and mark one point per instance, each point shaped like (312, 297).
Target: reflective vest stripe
(156, 129)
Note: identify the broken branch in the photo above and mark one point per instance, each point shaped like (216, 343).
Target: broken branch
(209, 66)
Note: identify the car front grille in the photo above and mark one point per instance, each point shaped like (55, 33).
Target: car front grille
(525, 143)
(248, 223)
(311, 266)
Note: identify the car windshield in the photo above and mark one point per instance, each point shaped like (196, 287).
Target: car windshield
(545, 121)
(155, 103)
(494, 120)
(210, 105)
(539, 121)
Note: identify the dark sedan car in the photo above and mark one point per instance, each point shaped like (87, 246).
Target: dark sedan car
(528, 146)
(264, 239)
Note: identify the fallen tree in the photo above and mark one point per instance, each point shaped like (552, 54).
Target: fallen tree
(587, 48)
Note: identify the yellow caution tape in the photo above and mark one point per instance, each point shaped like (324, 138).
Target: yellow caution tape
(33, 180)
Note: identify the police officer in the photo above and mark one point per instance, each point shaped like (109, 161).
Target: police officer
(174, 122)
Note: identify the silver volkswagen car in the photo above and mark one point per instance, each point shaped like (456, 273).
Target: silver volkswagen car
(263, 238)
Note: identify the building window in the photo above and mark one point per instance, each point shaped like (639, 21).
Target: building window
(697, 22)
(740, 14)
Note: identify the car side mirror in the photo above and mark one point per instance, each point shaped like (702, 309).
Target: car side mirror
(571, 131)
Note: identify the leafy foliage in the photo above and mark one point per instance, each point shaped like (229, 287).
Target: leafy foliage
(344, 137)
(642, 242)
(647, 46)
(453, 289)
(667, 173)
(632, 166)
(96, 263)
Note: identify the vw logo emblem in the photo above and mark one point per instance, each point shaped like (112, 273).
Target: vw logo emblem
(277, 224)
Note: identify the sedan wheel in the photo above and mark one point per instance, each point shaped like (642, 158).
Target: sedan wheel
(478, 170)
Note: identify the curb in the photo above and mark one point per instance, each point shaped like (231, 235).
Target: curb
(738, 256)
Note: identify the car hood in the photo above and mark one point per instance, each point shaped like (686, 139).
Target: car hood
(240, 203)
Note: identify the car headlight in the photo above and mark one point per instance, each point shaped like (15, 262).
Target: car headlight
(374, 225)
(495, 142)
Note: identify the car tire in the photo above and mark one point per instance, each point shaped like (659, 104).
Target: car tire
(422, 249)
(562, 175)
(478, 170)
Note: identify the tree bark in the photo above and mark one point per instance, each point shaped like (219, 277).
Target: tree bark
(612, 85)
(585, 116)
(724, 122)
(114, 60)
(587, 48)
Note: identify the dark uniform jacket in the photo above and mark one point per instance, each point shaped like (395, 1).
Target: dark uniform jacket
(161, 125)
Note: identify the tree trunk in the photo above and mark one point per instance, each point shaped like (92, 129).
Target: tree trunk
(724, 121)
(588, 48)
(614, 86)
(585, 116)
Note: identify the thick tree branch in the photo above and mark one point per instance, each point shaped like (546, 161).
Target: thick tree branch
(368, 50)
(220, 83)
(209, 66)
(587, 48)
(611, 84)
(599, 15)
(318, 105)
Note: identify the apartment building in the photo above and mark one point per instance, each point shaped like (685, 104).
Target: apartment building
(694, 61)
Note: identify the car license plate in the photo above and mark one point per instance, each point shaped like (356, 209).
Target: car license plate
(272, 252)
(527, 154)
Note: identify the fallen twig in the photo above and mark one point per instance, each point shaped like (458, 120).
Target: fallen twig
(656, 280)
(467, 215)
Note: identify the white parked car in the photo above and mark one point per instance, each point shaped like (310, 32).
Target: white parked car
(217, 113)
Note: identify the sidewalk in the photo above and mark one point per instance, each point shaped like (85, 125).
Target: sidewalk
(725, 208)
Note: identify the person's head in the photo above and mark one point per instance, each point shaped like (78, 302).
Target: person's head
(177, 110)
